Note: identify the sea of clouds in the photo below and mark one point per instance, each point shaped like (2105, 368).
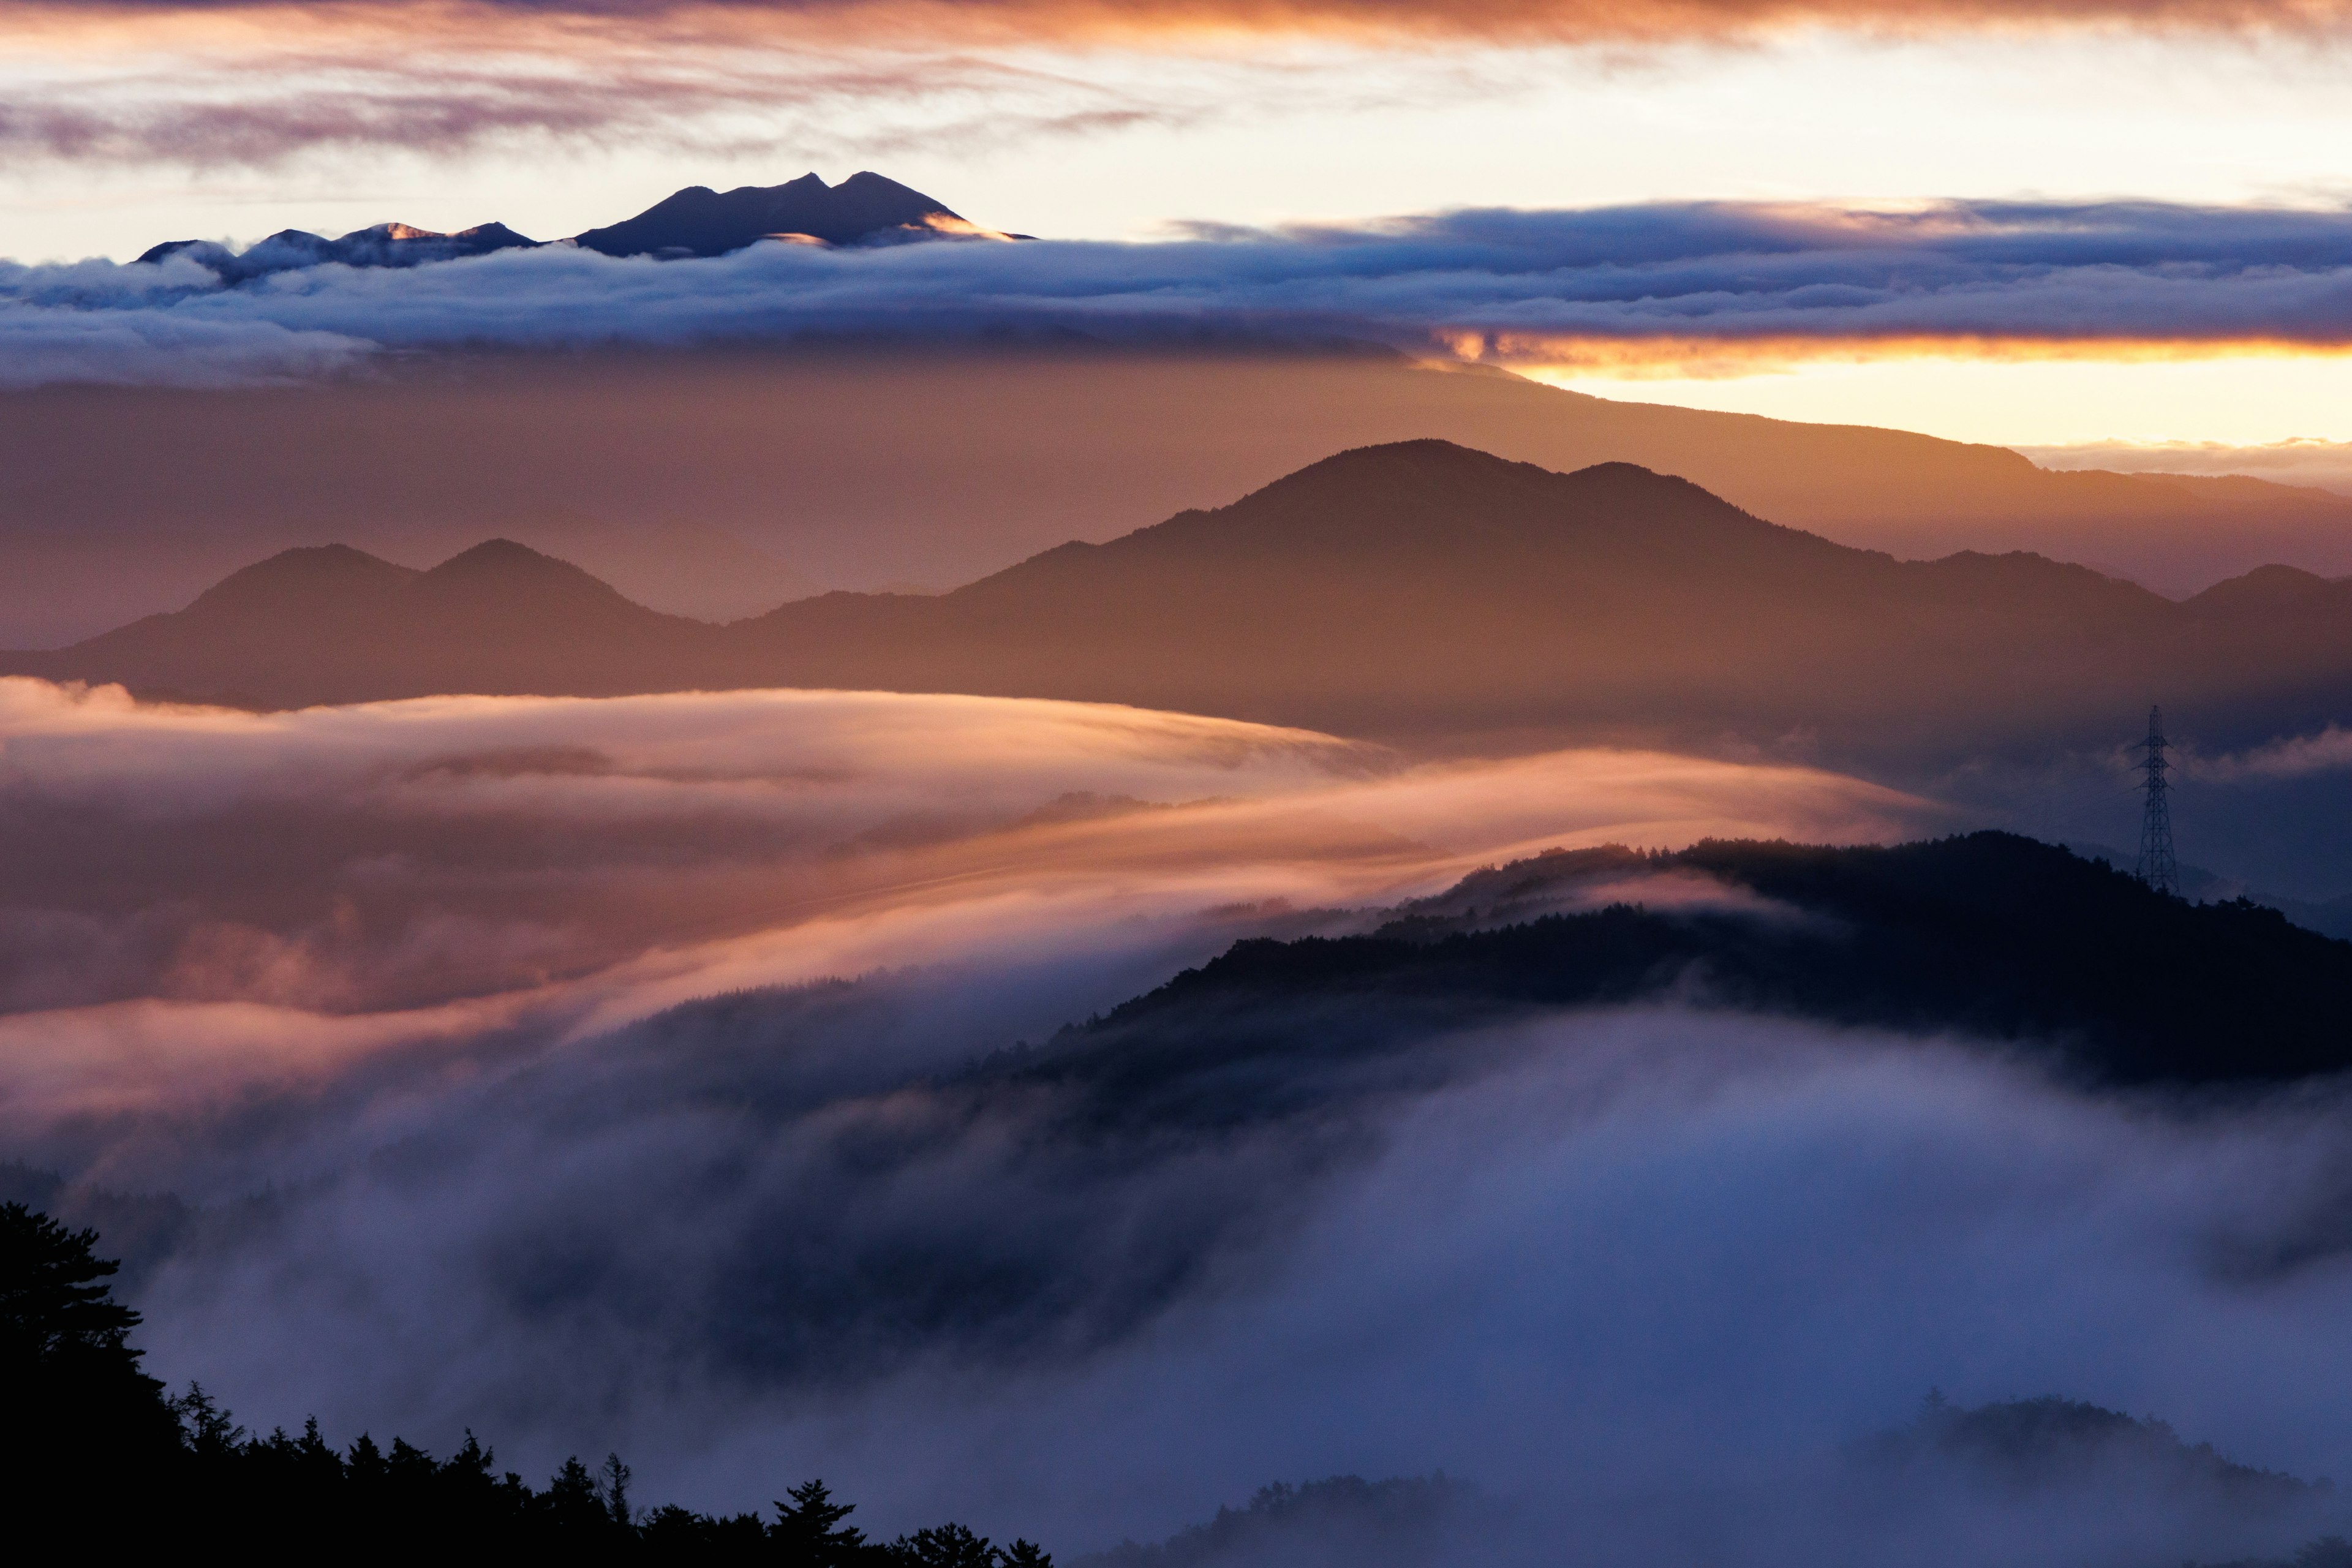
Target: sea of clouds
(617, 1166)
(1696, 282)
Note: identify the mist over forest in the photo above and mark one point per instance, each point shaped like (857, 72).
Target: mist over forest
(1145, 1137)
(1185, 784)
(1656, 1267)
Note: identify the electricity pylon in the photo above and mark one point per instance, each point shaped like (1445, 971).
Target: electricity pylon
(2155, 864)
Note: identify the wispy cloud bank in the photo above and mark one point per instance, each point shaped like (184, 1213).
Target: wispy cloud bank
(1565, 19)
(2323, 465)
(616, 855)
(209, 84)
(373, 81)
(1682, 284)
(1640, 1272)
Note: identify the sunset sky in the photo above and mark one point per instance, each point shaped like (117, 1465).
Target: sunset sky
(130, 122)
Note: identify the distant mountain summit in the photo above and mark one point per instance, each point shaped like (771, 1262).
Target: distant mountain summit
(383, 245)
(865, 209)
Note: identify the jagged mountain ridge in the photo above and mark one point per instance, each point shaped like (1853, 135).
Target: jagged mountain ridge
(383, 245)
(1420, 593)
(864, 210)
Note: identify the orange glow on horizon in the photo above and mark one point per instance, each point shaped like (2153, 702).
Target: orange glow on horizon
(1694, 358)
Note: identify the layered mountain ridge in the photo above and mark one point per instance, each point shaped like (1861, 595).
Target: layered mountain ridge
(1418, 594)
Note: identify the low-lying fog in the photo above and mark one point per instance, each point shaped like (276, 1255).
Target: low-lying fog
(379, 990)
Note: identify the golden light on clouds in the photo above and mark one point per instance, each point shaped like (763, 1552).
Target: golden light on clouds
(1560, 361)
(389, 876)
(2031, 396)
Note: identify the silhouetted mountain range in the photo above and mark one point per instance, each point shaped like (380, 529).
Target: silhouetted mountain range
(940, 467)
(864, 210)
(384, 245)
(1418, 593)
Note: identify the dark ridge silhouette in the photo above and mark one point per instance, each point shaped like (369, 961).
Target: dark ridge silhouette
(864, 210)
(1990, 936)
(87, 1433)
(2050, 1451)
(1420, 593)
(383, 245)
(699, 221)
(2051, 1442)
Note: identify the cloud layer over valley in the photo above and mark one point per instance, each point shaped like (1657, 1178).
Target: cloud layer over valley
(1684, 285)
(1641, 1276)
(188, 878)
(415, 1003)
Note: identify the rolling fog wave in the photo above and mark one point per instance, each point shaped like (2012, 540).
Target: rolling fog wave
(619, 1166)
(1644, 1275)
(212, 912)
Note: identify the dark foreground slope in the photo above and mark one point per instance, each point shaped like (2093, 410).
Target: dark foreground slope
(1418, 593)
(1989, 936)
(93, 1445)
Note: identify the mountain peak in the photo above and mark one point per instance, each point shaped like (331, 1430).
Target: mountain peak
(306, 573)
(502, 558)
(865, 209)
(698, 221)
(2271, 590)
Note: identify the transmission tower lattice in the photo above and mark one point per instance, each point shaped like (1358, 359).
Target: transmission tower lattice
(2155, 864)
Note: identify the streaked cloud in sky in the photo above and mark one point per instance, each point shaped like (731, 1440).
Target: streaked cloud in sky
(1552, 18)
(2323, 465)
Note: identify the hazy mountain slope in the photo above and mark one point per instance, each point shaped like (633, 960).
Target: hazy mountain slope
(1427, 595)
(679, 566)
(2054, 1452)
(1418, 593)
(332, 625)
(868, 467)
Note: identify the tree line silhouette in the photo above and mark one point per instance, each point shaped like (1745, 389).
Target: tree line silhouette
(86, 1435)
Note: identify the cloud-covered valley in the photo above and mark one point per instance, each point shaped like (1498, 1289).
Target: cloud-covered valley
(183, 879)
(648, 1074)
(1689, 285)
